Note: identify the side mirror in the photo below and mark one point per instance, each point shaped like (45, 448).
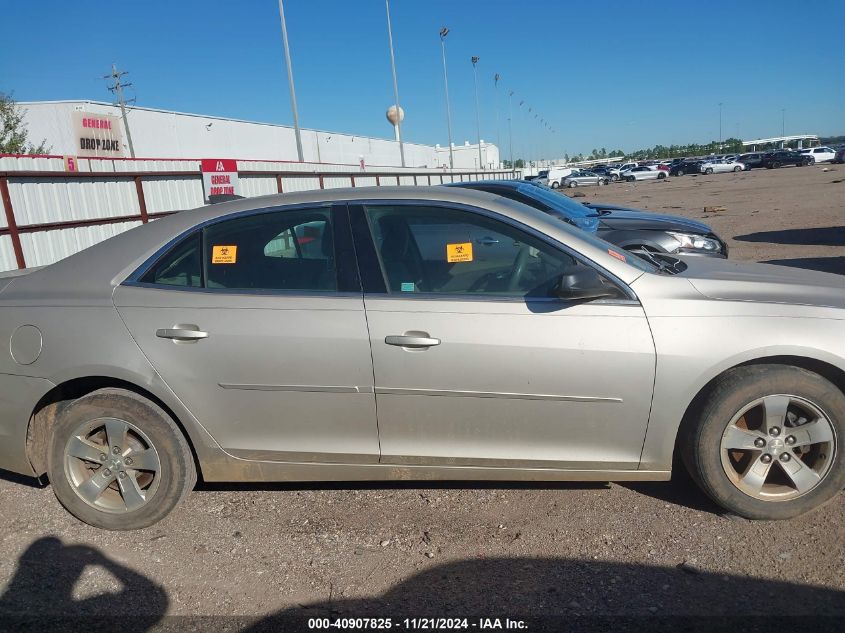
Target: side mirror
(582, 282)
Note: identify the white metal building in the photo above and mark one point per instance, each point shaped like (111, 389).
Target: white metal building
(166, 134)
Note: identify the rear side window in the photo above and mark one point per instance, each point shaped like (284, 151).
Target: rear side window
(284, 250)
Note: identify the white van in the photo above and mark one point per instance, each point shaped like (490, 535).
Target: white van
(556, 176)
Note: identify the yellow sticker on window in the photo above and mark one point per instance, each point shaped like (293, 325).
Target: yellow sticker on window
(459, 252)
(224, 254)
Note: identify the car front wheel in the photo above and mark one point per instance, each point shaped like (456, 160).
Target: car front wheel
(555, 185)
(767, 441)
(118, 461)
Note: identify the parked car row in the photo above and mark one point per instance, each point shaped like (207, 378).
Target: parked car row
(558, 176)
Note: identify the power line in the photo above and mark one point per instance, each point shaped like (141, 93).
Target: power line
(117, 90)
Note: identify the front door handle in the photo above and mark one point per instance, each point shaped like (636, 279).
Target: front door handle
(182, 333)
(487, 241)
(413, 340)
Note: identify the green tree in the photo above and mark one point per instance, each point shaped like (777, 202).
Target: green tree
(13, 132)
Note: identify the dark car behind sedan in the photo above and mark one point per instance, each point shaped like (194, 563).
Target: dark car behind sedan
(632, 229)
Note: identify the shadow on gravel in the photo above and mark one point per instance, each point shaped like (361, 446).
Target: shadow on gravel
(559, 594)
(551, 594)
(680, 491)
(823, 264)
(402, 485)
(40, 596)
(824, 236)
(23, 480)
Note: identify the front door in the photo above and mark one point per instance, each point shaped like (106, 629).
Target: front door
(477, 364)
(253, 324)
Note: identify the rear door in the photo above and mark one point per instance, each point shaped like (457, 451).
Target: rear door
(476, 364)
(257, 323)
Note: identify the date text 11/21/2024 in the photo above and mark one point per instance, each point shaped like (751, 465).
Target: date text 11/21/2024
(417, 624)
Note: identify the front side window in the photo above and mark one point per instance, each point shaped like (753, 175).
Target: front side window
(427, 249)
(279, 250)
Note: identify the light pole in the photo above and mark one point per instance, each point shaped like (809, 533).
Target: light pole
(498, 131)
(477, 113)
(510, 126)
(783, 121)
(290, 83)
(443, 33)
(720, 126)
(395, 85)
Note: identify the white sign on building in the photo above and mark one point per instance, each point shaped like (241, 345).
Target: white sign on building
(97, 135)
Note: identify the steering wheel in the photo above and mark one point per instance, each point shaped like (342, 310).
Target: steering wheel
(519, 266)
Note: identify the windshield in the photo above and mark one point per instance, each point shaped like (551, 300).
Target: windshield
(559, 202)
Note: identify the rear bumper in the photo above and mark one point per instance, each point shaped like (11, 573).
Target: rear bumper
(18, 397)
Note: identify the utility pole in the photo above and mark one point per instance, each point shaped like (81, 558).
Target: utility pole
(720, 126)
(510, 126)
(117, 90)
(498, 132)
(443, 33)
(477, 113)
(290, 84)
(395, 85)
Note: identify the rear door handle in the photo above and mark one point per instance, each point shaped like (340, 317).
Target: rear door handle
(416, 340)
(182, 333)
(487, 241)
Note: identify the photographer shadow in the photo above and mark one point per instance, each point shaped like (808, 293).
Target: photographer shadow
(40, 595)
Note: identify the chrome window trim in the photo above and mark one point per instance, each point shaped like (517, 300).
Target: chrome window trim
(493, 215)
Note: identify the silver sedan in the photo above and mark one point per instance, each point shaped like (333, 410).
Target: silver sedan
(582, 178)
(413, 333)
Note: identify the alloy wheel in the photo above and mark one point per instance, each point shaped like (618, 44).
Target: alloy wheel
(112, 465)
(778, 447)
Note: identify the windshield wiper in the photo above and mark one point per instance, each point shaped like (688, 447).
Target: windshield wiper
(661, 264)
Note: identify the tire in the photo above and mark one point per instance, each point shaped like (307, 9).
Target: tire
(737, 169)
(680, 172)
(661, 176)
(811, 161)
(555, 184)
(775, 165)
(630, 179)
(708, 171)
(572, 184)
(725, 474)
(614, 178)
(162, 486)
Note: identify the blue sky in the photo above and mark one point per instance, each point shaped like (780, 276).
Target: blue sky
(613, 74)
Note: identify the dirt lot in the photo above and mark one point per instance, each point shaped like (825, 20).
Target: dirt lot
(573, 551)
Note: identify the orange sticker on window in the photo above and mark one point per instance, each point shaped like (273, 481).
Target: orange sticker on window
(618, 256)
(459, 252)
(224, 254)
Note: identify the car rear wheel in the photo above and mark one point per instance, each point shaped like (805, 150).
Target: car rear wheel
(661, 176)
(630, 178)
(118, 461)
(614, 178)
(767, 443)
(708, 171)
(572, 184)
(555, 185)
(737, 169)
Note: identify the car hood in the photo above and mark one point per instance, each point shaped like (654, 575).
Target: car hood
(741, 281)
(631, 219)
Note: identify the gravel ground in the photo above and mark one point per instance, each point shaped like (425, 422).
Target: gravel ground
(571, 551)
